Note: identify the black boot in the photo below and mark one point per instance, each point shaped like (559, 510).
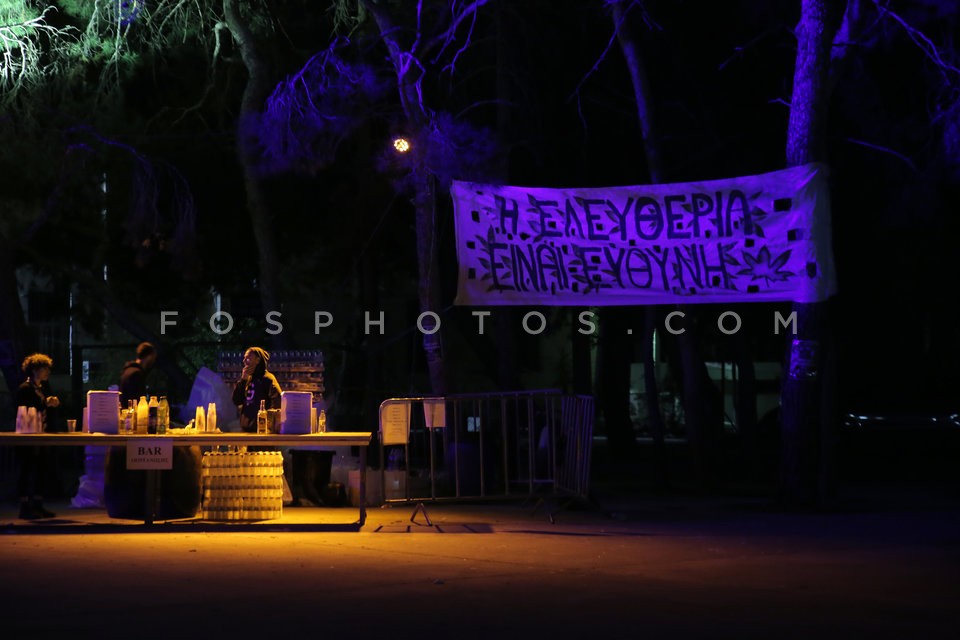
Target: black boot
(295, 480)
(39, 511)
(26, 510)
(310, 481)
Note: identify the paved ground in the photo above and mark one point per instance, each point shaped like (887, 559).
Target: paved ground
(884, 564)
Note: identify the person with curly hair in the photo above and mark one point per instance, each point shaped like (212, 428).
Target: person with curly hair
(35, 392)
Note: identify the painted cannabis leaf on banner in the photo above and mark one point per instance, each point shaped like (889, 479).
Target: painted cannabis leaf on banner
(761, 266)
(754, 238)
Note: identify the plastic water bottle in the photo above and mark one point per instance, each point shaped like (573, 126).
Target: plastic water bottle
(163, 415)
(143, 414)
(212, 416)
(200, 420)
(130, 417)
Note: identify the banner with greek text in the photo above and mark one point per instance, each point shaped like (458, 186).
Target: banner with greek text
(755, 238)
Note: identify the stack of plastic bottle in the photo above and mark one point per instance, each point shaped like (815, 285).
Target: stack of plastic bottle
(242, 485)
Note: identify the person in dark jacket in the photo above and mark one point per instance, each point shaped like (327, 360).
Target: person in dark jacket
(133, 378)
(35, 393)
(255, 384)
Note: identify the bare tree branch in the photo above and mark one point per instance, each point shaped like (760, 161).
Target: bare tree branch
(887, 150)
(927, 46)
(739, 51)
(29, 49)
(603, 55)
(449, 35)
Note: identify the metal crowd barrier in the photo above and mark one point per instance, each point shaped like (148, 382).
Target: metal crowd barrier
(523, 444)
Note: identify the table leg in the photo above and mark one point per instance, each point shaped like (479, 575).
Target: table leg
(363, 485)
(150, 499)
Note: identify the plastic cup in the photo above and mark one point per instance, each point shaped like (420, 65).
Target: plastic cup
(72, 426)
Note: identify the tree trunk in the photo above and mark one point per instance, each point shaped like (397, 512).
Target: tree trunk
(807, 400)
(424, 197)
(700, 405)
(630, 46)
(13, 328)
(428, 264)
(745, 394)
(745, 399)
(745, 411)
(658, 430)
(613, 374)
(693, 365)
(255, 92)
(372, 360)
(582, 374)
(505, 342)
(127, 320)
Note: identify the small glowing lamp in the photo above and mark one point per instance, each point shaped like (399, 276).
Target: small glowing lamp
(402, 145)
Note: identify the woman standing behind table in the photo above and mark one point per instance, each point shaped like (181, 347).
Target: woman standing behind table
(35, 392)
(255, 384)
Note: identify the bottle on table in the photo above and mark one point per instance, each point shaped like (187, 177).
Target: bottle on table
(262, 417)
(143, 413)
(163, 415)
(153, 409)
(130, 417)
(322, 421)
(28, 420)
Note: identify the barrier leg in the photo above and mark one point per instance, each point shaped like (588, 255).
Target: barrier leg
(420, 509)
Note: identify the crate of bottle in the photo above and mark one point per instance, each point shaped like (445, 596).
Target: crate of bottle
(241, 485)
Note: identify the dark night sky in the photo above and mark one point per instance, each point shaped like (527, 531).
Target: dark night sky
(720, 73)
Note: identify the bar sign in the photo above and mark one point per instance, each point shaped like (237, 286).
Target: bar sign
(150, 453)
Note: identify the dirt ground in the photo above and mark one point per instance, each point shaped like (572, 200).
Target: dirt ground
(884, 564)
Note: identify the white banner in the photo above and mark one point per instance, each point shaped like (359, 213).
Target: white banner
(749, 239)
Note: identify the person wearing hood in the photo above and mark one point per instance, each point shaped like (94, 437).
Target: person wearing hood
(35, 393)
(133, 378)
(255, 384)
